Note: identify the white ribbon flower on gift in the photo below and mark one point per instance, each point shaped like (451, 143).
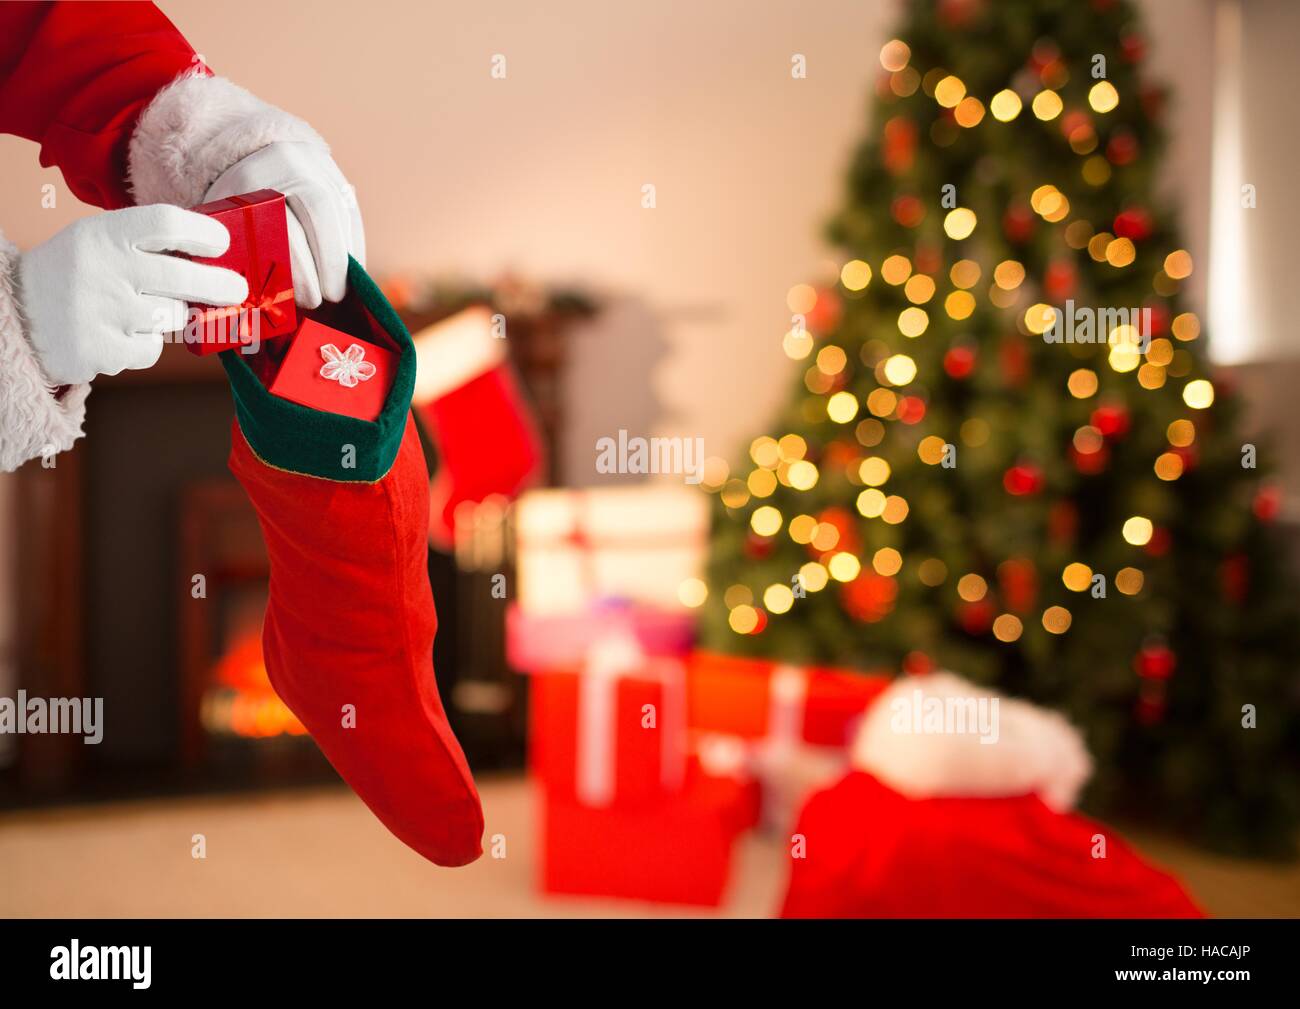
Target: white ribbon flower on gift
(347, 368)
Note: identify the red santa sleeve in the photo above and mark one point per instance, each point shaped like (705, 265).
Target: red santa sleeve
(348, 639)
(75, 77)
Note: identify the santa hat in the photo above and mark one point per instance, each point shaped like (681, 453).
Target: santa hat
(938, 735)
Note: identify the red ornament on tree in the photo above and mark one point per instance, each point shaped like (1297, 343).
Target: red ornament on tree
(975, 618)
(1018, 580)
(1023, 479)
(1134, 223)
(1122, 149)
(1111, 419)
(1234, 578)
(1018, 223)
(757, 547)
(959, 361)
(917, 663)
(869, 597)
(908, 211)
(1013, 359)
(911, 409)
(1155, 661)
(1267, 503)
(900, 145)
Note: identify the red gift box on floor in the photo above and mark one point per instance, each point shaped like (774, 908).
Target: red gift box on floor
(538, 642)
(611, 733)
(328, 370)
(674, 851)
(259, 252)
(759, 698)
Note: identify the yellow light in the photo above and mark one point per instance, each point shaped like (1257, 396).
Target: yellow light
(1057, 619)
(1160, 351)
(1008, 274)
(1186, 327)
(761, 483)
(959, 223)
(1198, 394)
(1082, 383)
(802, 528)
(1178, 264)
(1169, 466)
(737, 595)
(766, 521)
(765, 452)
(919, 289)
(874, 471)
(871, 503)
(826, 537)
(716, 472)
(896, 269)
(802, 298)
(1005, 105)
(855, 275)
(802, 475)
(735, 494)
(959, 305)
(1120, 252)
(1129, 581)
(797, 344)
(813, 576)
(1007, 628)
(969, 112)
(949, 91)
(1138, 531)
(900, 369)
(1124, 357)
(1103, 97)
(792, 447)
(932, 572)
(692, 592)
(1096, 171)
(1039, 318)
(894, 55)
(896, 509)
(1088, 439)
(931, 450)
(1077, 577)
(964, 273)
(887, 561)
(842, 407)
(882, 402)
(1151, 376)
(743, 619)
(912, 322)
(972, 588)
(1047, 105)
(831, 360)
(1098, 244)
(1181, 433)
(870, 432)
(778, 598)
(844, 567)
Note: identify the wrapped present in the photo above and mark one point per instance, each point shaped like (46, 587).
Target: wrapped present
(259, 252)
(327, 369)
(676, 850)
(792, 723)
(764, 699)
(576, 547)
(535, 643)
(611, 732)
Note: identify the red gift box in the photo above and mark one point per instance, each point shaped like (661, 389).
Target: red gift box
(328, 370)
(538, 642)
(757, 699)
(610, 733)
(259, 252)
(674, 851)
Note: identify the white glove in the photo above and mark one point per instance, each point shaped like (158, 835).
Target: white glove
(100, 294)
(324, 219)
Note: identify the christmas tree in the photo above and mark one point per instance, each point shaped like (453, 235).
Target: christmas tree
(1007, 454)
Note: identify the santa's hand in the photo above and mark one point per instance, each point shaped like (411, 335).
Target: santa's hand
(100, 294)
(324, 219)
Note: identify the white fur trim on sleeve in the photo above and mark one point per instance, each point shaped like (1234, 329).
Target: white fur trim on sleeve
(938, 735)
(32, 422)
(452, 352)
(194, 129)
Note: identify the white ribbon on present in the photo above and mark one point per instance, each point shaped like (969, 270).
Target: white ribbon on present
(609, 660)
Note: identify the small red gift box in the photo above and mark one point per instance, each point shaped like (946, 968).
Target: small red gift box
(259, 252)
(673, 851)
(328, 370)
(610, 733)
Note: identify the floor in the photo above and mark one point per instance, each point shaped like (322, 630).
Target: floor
(320, 853)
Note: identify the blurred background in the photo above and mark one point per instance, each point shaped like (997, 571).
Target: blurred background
(526, 193)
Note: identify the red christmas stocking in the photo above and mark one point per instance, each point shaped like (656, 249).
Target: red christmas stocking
(470, 401)
(348, 635)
